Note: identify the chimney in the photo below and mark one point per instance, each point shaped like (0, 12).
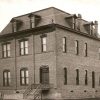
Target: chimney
(79, 16)
(79, 21)
(96, 27)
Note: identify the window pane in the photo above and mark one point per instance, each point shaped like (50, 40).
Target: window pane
(64, 40)
(22, 74)
(23, 81)
(33, 24)
(32, 19)
(22, 44)
(26, 50)
(65, 76)
(99, 50)
(26, 43)
(8, 53)
(8, 46)
(63, 48)
(64, 44)
(9, 81)
(26, 73)
(93, 79)
(22, 51)
(77, 76)
(44, 40)
(44, 47)
(5, 75)
(5, 82)
(43, 44)
(76, 47)
(85, 49)
(86, 78)
(27, 80)
(4, 47)
(14, 27)
(4, 54)
(8, 74)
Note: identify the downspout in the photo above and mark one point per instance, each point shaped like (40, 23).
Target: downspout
(15, 67)
(34, 57)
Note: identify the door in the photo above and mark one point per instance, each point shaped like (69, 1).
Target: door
(44, 75)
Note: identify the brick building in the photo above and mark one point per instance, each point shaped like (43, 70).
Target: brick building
(49, 54)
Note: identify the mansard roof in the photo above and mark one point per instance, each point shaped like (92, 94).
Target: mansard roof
(42, 18)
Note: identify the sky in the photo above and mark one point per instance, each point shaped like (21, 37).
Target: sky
(89, 9)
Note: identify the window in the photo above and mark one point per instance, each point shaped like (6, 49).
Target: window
(93, 79)
(77, 76)
(99, 80)
(86, 77)
(32, 22)
(6, 50)
(99, 53)
(64, 44)
(6, 78)
(92, 28)
(76, 47)
(24, 47)
(65, 76)
(44, 44)
(74, 23)
(24, 77)
(14, 27)
(85, 49)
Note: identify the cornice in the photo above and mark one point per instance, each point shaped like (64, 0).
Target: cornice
(44, 29)
(77, 32)
(35, 31)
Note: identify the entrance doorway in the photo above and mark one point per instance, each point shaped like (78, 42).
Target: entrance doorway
(44, 75)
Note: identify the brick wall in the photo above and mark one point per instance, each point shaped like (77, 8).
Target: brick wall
(72, 62)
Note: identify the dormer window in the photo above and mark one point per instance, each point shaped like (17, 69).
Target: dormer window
(14, 27)
(15, 24)
(34, 20)
(71, 20)
(74, 23)
(92, 28)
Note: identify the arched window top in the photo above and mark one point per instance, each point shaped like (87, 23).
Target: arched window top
(65, 68)
(24, 76)
(6, 70)
(6, 77)
(44, 66)
(23, 69)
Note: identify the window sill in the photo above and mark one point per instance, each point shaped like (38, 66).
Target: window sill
(5, 57)
(24, 55)
(24, 85)
(7, 86)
